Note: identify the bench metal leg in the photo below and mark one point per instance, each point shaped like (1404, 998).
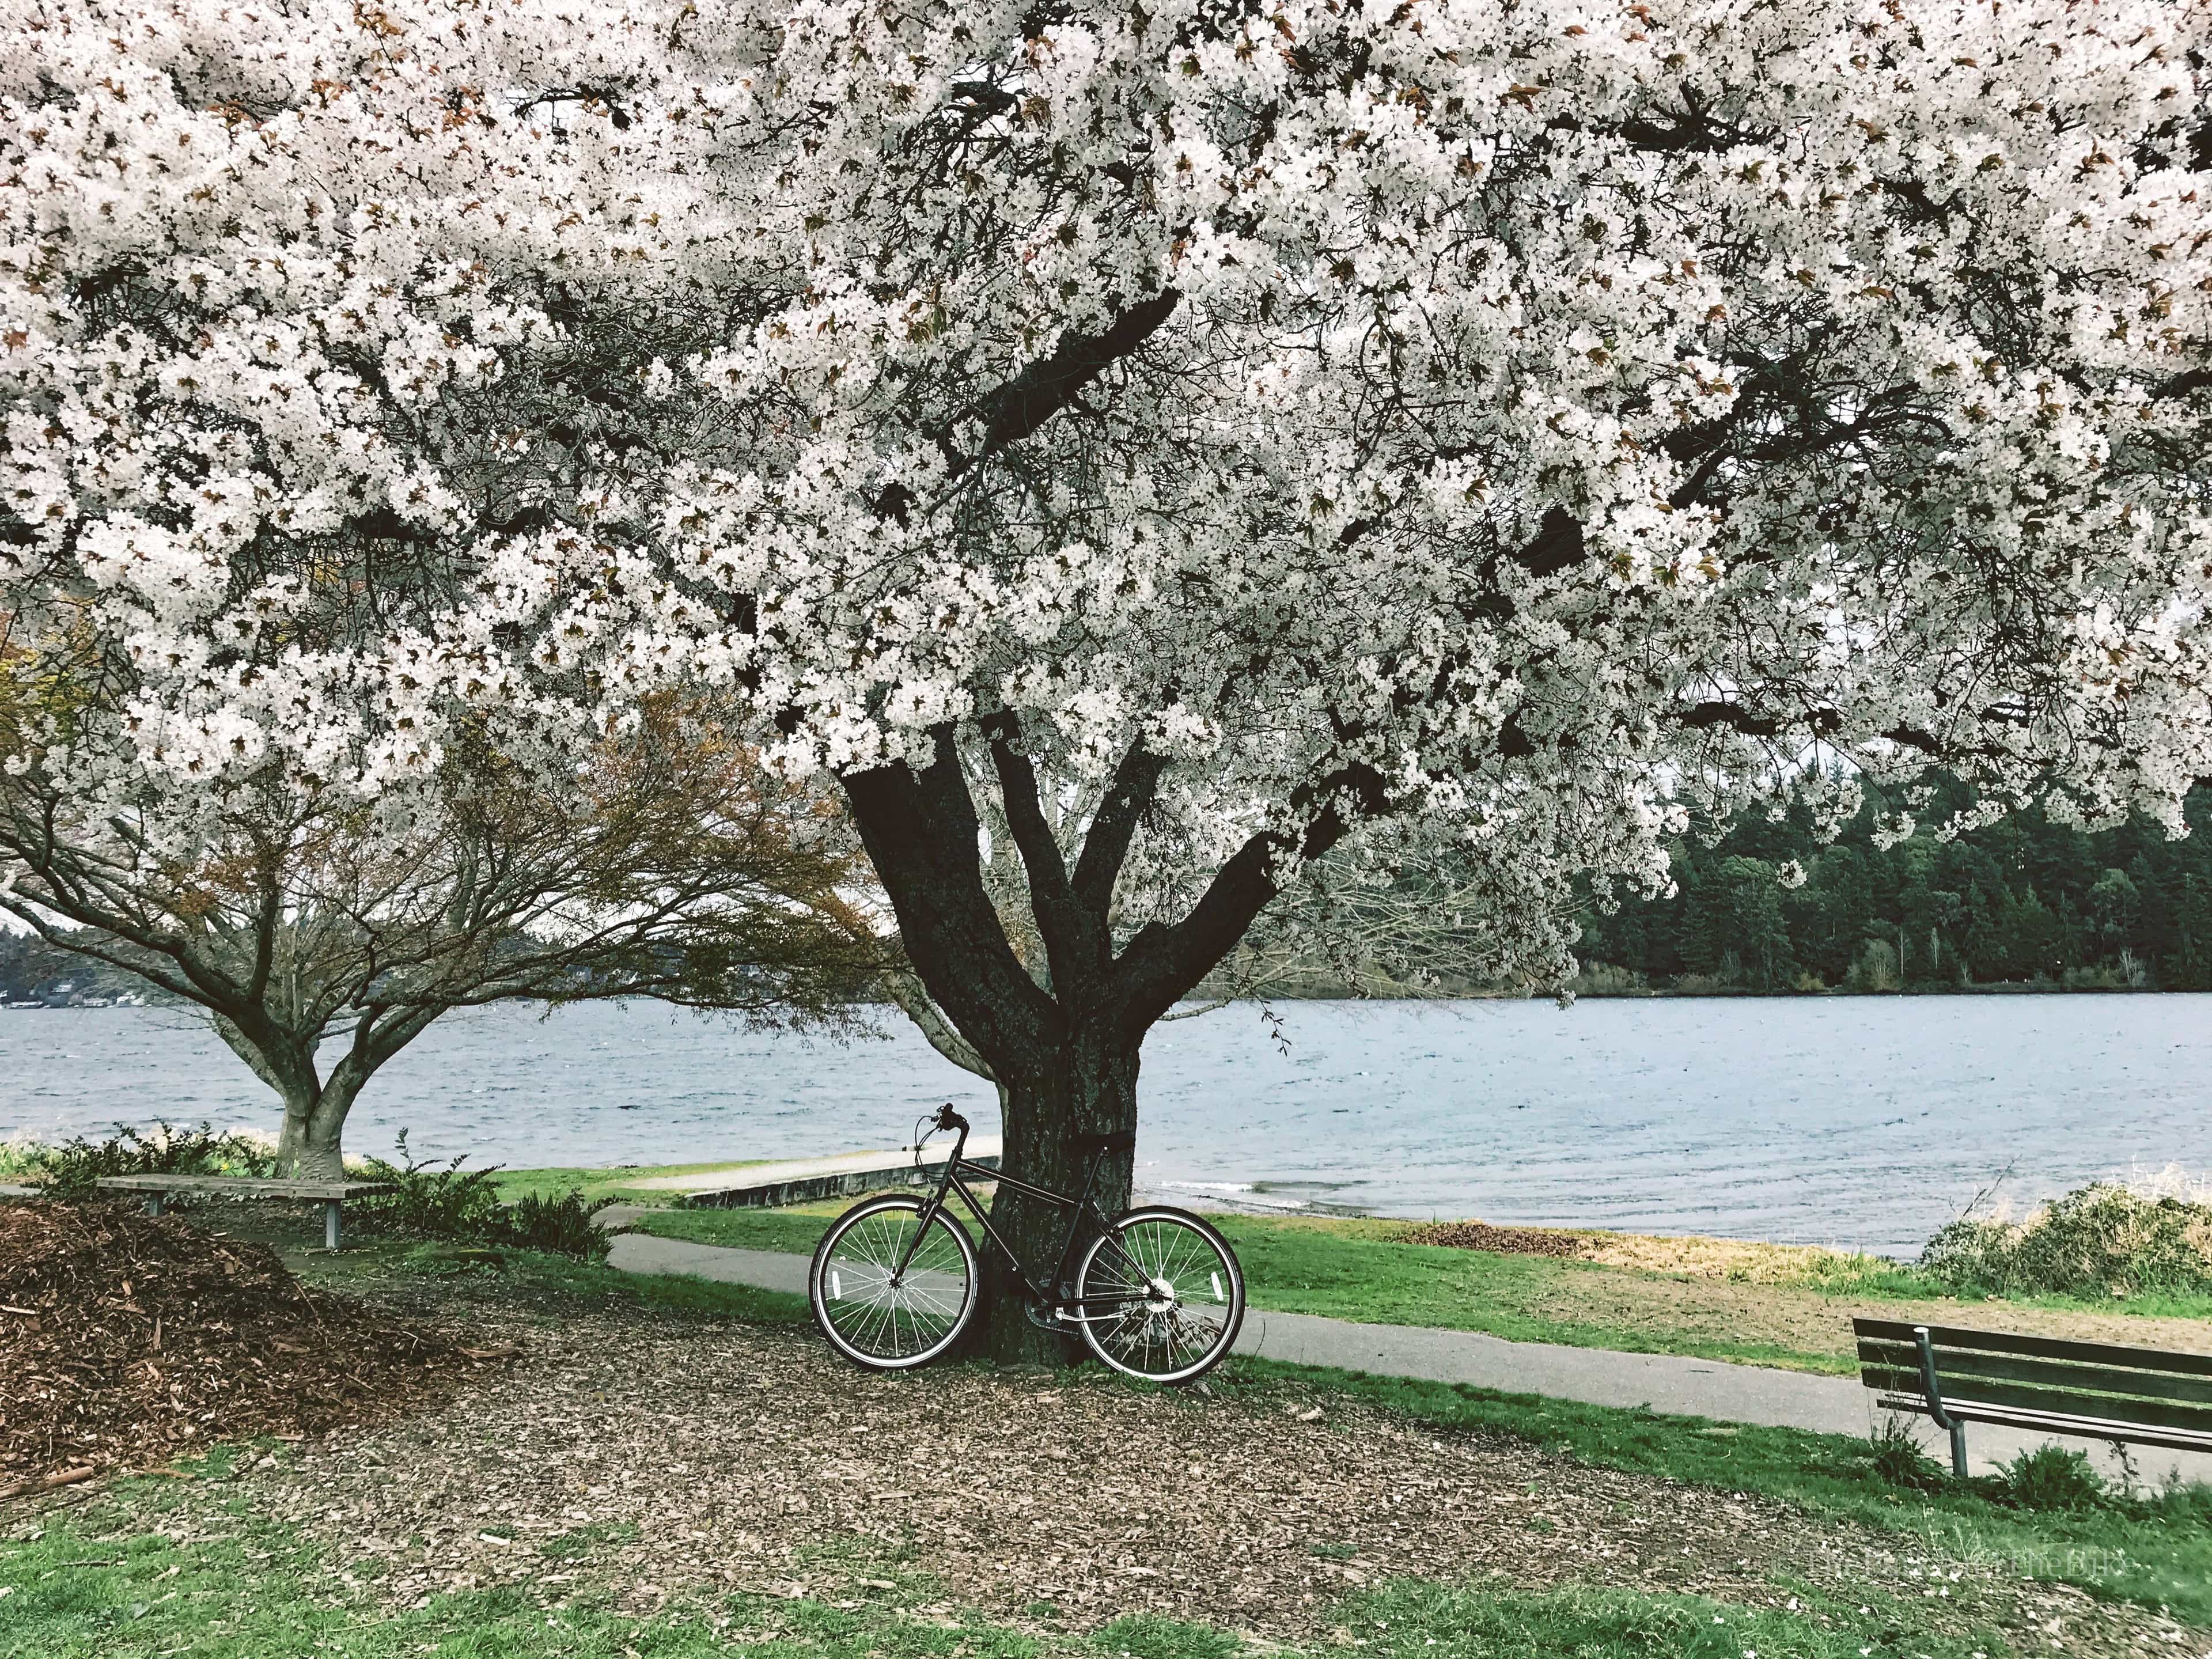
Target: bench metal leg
(153, 1204)
(1933, 1392)
(330, 1225)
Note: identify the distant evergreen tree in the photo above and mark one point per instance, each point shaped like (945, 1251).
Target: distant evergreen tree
(2023, 900)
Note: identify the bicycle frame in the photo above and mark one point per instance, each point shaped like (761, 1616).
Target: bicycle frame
(950, 1182)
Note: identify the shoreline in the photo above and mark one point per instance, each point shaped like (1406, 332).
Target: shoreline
(1645, 994)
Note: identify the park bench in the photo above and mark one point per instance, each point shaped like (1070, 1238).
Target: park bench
(2095, 1390)
(330, 1194)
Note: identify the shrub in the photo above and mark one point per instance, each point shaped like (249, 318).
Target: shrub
(20, 1156)
(71, 1171)
(1900, 1461)
(2051, 1477)
(445, 1202)
(2186, 1504)
(2103, 1240)
(1603, 979)
(428, 1200)
(562, 1225)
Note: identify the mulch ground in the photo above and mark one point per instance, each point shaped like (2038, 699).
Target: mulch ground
(126, 1340)
(659, 1459)
(1508, 1241)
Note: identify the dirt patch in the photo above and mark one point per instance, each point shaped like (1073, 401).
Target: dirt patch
(1804, 1321)
(126, 1338)
(668, 1459)
(1508, 1241)
(1740, 1260)
(1734, 1292)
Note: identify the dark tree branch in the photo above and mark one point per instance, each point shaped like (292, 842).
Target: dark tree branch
(2180, 386)
(1106, 847)
(1075, 943)
(1164, 963)
(1033, 397)
(1556, 546)
(1705, 716)
(923, 838)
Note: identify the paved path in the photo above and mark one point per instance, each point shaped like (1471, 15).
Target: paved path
(1599, 1376)
(798, 1180)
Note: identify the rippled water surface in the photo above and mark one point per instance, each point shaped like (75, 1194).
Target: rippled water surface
(1862, 1121)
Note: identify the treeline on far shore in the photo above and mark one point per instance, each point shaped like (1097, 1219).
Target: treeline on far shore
(32, 970)
(2026, 902)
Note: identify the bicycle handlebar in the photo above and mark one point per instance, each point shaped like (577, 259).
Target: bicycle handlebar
(949, 1119)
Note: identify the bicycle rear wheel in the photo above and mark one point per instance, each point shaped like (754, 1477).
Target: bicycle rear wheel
(871, 1311)
(1160, 1295)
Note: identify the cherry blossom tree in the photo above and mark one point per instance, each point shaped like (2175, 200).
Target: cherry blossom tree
(1207, 438)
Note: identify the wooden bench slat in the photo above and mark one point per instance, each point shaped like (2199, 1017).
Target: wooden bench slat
(244, 1186)
(2062, 1402)
(2041, 1347)
(2088, 1428)
(1966, 1366)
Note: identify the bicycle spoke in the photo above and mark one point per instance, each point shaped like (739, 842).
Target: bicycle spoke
(1161, 1297)
(875, 1310)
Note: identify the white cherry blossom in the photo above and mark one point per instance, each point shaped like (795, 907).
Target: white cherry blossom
(1232, 435)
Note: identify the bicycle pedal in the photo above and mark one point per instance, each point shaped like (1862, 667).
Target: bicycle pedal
(1044, 1318)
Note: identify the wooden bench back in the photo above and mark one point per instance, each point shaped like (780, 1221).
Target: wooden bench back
(2100, 1381)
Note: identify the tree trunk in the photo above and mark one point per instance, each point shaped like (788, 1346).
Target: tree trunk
(310, 1148)
(1089, 1085)
(1060, 1039)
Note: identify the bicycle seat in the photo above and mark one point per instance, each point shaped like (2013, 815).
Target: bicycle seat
(1120, 1140)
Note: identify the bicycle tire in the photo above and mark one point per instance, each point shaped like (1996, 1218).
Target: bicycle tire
(859, 1312)
(1209, 1274)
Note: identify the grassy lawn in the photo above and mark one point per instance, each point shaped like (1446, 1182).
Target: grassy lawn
(606, 1183)
(1756, 1304)
(548, 1284)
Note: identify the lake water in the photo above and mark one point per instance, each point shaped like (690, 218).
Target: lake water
(1860, 1121)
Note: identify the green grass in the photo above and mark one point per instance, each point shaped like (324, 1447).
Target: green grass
(2156, 1551)
(795, 1231)
(606, 1183)
(82, 1591)
(1363, 1269)
(554, 1284)
(1438, 1621)
(1345, 1270)
(1359, 1272)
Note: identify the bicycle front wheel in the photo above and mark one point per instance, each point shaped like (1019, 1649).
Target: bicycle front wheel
(877, 1313)
(1160, 1296)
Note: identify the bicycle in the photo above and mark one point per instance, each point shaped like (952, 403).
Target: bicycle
(1158, 1293)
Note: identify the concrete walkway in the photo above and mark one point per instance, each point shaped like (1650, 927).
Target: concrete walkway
(1599, 1376)
(802, 1180)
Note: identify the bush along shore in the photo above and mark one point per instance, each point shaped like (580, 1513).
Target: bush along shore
(428, 1200)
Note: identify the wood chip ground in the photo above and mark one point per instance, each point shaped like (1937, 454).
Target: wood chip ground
(126, 1338)
(670, 1459)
